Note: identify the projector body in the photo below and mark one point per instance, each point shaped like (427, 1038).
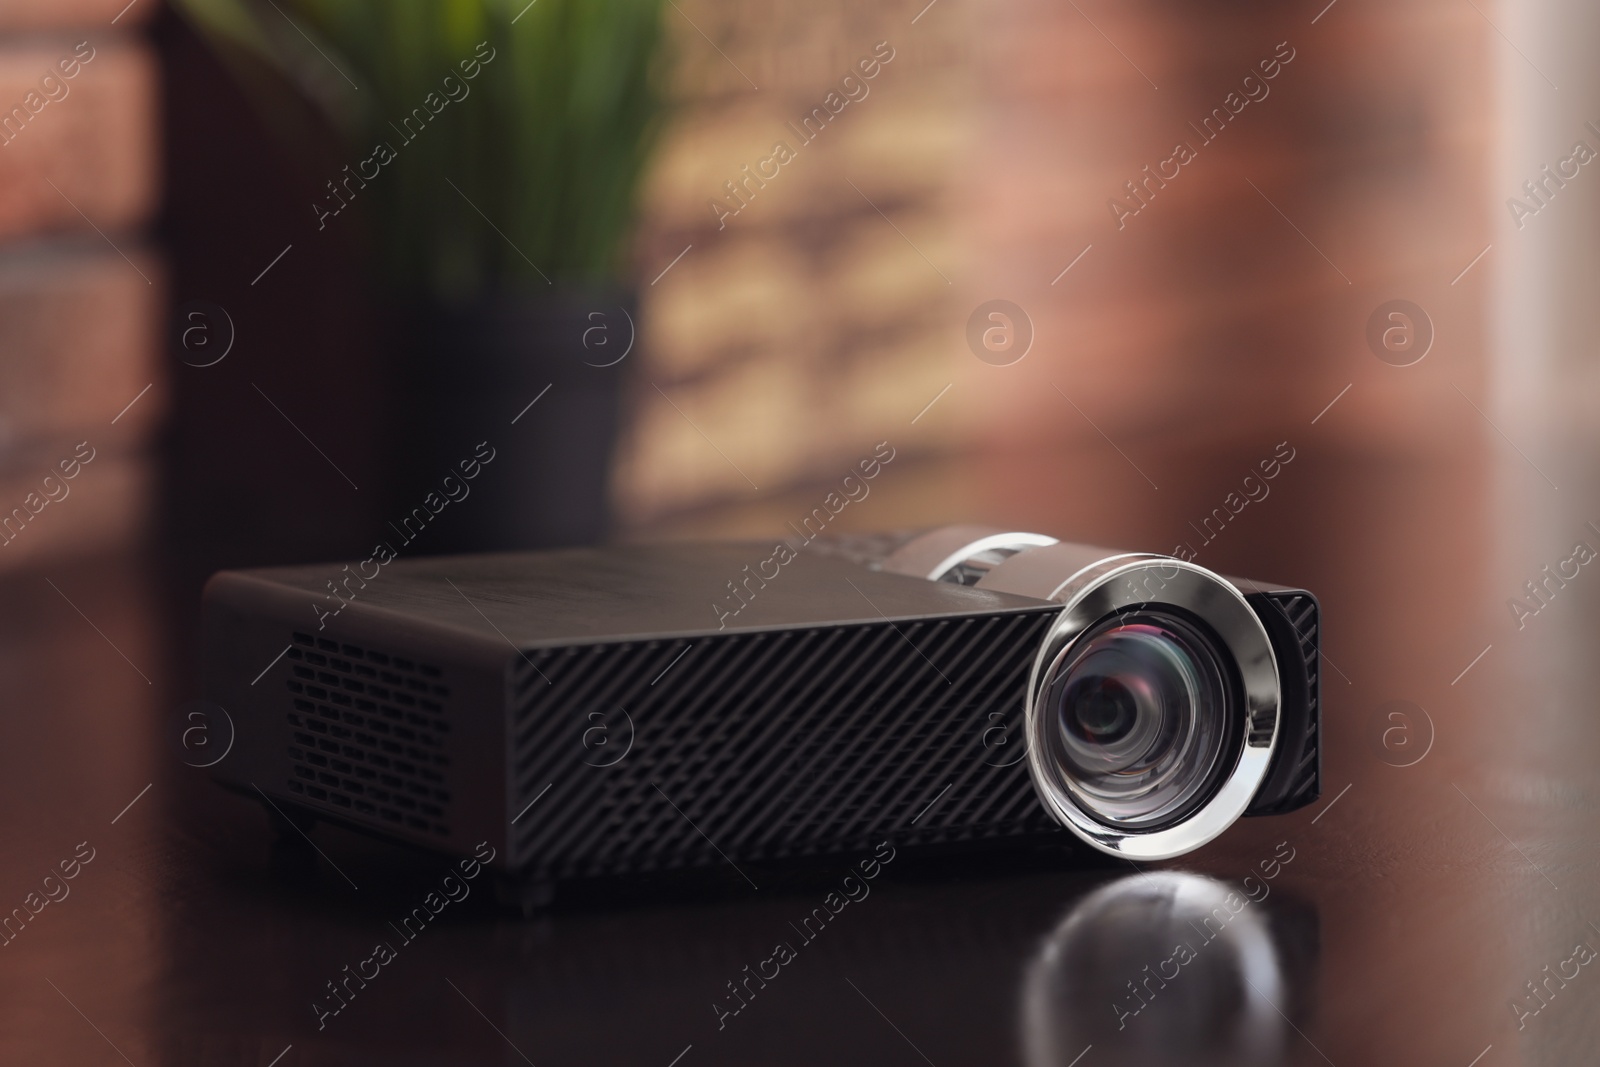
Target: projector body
(596, 712)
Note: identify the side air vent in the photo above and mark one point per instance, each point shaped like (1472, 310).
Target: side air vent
(1293, 623)
(772, 745)
(1303, 616)
(369, 734)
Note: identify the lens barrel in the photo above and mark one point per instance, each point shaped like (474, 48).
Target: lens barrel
(1152, 710)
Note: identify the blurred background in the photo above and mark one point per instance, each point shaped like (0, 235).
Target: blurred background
(679, 265)
(721, 346)
(595, 192)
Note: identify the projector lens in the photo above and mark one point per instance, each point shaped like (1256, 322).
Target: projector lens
(1143, 710)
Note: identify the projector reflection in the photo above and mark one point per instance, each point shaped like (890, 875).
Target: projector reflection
(1166, 968)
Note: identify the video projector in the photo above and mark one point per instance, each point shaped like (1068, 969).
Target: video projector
(607, 711)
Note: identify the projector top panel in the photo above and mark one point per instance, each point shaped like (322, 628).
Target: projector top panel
(601, 594)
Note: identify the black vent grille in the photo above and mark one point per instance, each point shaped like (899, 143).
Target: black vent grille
(1304, 617)
(770, 745)
(1295, 777)
(369, 735)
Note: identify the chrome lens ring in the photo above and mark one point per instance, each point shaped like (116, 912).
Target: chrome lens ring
(1121, 586)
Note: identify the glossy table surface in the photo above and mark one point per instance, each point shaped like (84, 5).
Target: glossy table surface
(1435, 906)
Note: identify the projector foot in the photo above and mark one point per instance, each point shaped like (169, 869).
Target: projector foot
(289, 850)
(528, 895)
(290, 825)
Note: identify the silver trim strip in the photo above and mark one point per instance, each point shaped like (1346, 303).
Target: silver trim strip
(935, 553)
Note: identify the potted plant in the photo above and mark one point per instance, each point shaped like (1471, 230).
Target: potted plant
(496, 148)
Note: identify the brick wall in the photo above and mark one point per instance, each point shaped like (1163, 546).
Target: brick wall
(81, 291)
(808, 326)
(1216, 322)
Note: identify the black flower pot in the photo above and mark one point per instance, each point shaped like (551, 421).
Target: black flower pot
(505, 418)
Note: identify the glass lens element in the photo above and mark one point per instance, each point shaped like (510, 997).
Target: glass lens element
(1143, 712)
